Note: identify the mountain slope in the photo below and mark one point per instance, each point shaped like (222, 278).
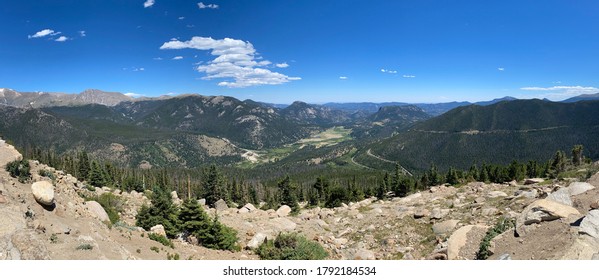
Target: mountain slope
(45, 99)
(582, 97)
(498, 133)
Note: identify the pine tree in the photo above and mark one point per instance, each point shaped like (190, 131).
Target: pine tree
(214, 185)
(383, 188)
(96, 175)
(577, 157)
(219, 236)
(83, 166)
(193, 219)
(162, 212)
(288, 194)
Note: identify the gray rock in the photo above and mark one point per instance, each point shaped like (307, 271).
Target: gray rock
(590, 224)
(158, 229)
(30, 246)
(439, 213)
(283, 211)
(250, 207)
(43, 192)
(445, 227)
(531, 181)
(464, 242)
(257, 240)
(544, 210)
(505, 257)
(562, 196)
(363, 254)
(495, 194)
(220, 205)
(96, 210)
(421, 213)
(283, 224)
(577, 188)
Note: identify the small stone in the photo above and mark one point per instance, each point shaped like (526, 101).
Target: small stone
(480, 200)
(363, 254)
(221, 205)
(532, 181)
(595, 205)
(505, 257)
(421, 213)
(495, 194)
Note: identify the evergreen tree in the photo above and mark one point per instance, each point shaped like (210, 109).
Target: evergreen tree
(452, 177)
(288, 194)
(384, 187)
(214, 185)
(577, 158)
(194, 220)
(162, 212)
(96, 175)
(83, 166)
(221, 237)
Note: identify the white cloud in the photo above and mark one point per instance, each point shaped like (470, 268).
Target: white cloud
(134, 95)
(235, 61)
(157, 58)
(149, 3)
(177, 58)
(82, 33)
(181, 18)
(561, 92)
(201, 5)
(61, 39)
(135, 69)
(409, 76)
(282, 65)
(43, 33)
(501, 69)
(342, 78)
(389, 71)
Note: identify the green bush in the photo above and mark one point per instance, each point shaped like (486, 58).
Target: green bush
(291, 246)
(85, 247)
(47, 174)
(19, 169)
(500, 227)
(161, 212)
(112, 204)
(155, 249)
(161, 239)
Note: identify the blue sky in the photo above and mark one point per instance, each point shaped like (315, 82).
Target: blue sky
(316, 51)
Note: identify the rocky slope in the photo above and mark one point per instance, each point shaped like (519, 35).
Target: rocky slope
(554, 220)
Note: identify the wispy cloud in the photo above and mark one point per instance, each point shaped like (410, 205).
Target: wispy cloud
(235, 61)
(201, 5)
(177, 58)
(282, 65)
(181, 18)
(560, 92)
(342, 78)
(43, 33)
(82, 33)
(149, 3)
(501, 69)
(133, 95)
(388, 71)
(61, 39)
(409, 76)
(157, 58)
(139, 69)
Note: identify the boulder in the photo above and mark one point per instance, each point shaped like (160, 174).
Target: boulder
(283, 211)
(243, 210)
(363, 254)
(595, 204)
(562, 196)
(464, 243)
(220, 205)
(283, 224)
(96, 210)
(531, 181)
(30, 246)
(544, 210)
(421, 213)
(590, 224)
(439, 213)
(495, 194)
(445, 227)
(257, 240)
(202, 202)
(577, 188)
(43, 192)
(250, 207)
(158, 229)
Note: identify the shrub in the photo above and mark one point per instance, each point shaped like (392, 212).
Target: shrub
(155, 249)
(162, 212)
(220, 237)
(173, 256)
(47, 174)
(85, 247)
(112, 204)
(19, 169)
(161, 239)
(291, 246)
(500, 227)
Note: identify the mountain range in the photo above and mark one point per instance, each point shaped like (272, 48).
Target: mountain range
(191, 130)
